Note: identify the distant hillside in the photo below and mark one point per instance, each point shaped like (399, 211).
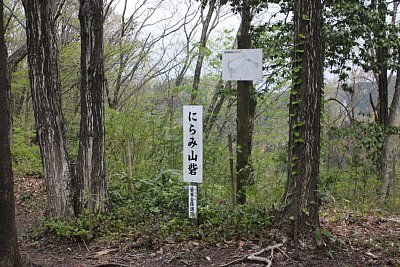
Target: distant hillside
(360, 99)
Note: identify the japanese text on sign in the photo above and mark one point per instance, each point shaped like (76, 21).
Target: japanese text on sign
(193, 144)
(192, 201)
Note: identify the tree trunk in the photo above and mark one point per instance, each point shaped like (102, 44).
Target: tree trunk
(202, 46)
(382, 57)
(386, 117)
(46, 99)
(383, 116)
(91, 165)
(215, 107)
(243, 113)
(388, 153)
(389, 148)
(9, 253)
(300, 218)
(252, 117)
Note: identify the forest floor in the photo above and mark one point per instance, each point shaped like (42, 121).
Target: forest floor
(355, 241)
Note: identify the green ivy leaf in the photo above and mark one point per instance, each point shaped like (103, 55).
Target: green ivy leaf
(299, 140)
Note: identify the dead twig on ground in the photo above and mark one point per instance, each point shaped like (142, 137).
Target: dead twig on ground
(133, 245)
(85, 245)
(283, 252)
(57, 258)
(256, 256)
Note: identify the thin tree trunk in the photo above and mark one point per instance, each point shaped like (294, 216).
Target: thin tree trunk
(9, 253)
(386, 156)
(130, 166)
(243, 113)
(300, 216)
(218, 99)
(113, 102)
(91, 165)
(252, 117)
(232, 170)
(46, 99)
(215, 107)
(393, 180)
(202, 47)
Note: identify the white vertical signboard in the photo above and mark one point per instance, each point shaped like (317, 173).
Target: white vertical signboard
(193, 144)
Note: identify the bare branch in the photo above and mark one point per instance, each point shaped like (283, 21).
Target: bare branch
(12, 13)
(10, 17)
(17, 57)
(345, 108)
(255, 256)
(107, 8)
(59, 9)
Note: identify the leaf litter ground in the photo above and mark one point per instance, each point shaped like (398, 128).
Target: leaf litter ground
(355, 241)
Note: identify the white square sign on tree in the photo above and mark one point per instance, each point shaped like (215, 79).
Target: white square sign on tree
(242, 65)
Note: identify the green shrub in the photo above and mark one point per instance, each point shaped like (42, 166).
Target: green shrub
(25, 154)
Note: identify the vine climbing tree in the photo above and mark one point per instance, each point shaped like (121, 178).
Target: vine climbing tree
(300, 217)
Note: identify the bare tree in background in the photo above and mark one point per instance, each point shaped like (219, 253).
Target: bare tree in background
(137, 55)
(207, 26)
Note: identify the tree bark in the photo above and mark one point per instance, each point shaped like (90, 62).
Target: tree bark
(91, 165)
(243, 112)
(252, 117)
(46, 99)
(389, 148)
(299, 218)
(9, 253)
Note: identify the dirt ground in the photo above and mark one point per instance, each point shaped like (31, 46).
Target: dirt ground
(357, 241)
